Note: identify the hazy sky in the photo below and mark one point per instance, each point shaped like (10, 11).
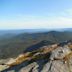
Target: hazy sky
(17, 14)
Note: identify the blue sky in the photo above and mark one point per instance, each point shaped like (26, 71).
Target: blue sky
(24, 14)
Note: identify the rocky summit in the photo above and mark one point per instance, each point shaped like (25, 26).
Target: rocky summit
(49, 58)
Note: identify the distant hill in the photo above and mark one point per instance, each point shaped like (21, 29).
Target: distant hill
(12, 46)
(18, 31)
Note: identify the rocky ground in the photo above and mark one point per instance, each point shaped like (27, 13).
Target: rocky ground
(51, 58)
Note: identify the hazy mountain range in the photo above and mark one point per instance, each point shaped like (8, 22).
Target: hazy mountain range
(14, 42)
(17, 31)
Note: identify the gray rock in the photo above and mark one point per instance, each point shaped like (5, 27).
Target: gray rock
(45, 65)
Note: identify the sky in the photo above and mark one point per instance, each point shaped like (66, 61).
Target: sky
(35, 14)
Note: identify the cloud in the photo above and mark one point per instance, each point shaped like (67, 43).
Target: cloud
(66, 13)
(59, 20)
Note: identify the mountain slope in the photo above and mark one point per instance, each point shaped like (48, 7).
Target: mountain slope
(53, 58)
(11, 47)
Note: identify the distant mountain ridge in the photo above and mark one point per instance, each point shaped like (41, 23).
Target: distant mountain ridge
(17, 44)
(18, 31)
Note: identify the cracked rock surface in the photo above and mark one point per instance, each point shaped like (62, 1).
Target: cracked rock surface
(59, 60)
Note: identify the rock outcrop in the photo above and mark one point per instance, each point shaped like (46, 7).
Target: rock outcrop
(51, 58)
